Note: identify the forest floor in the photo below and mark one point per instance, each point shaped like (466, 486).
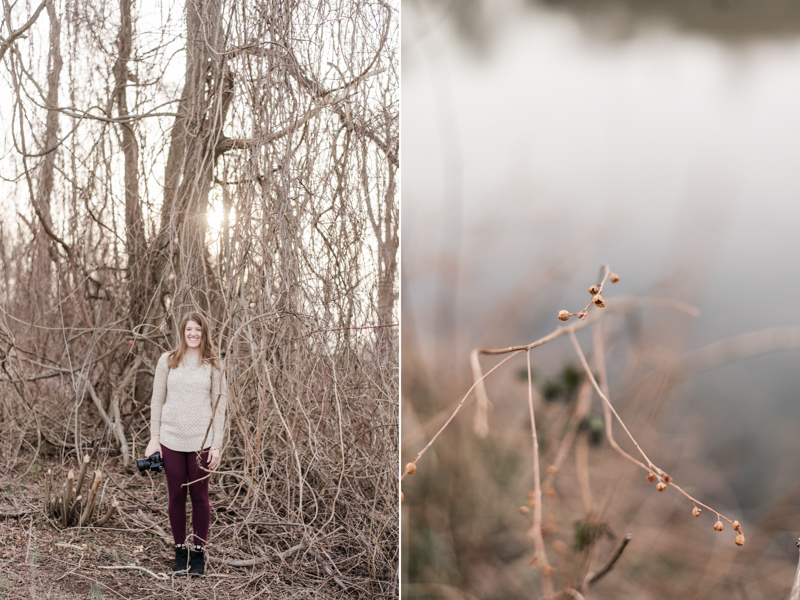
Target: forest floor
(129, 559)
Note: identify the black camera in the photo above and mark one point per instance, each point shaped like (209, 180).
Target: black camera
(154, 463)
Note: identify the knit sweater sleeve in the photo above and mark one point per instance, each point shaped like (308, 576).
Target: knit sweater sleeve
(219, 397)
(159, 395)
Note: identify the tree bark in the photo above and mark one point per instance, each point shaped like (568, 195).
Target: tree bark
(45, 253)
(134, 226)
(180, 266)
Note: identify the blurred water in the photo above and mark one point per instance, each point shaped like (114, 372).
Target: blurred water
(546, 149)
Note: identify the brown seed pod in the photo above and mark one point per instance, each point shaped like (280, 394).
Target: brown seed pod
(613, 277)
(696, 511)
(739, 540)
(563, 315)
(667, 478)
(524, 510)
(651, 477)
(598, 301)
(551, 470)
(661, 486)
(411, 468)
(401, 496)
(737, 526)
(550, 493)
(718, 526)
(594, 290)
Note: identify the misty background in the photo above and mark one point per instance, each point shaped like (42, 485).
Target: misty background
(541, 140)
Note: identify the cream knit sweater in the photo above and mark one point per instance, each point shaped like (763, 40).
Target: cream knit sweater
(183, 403)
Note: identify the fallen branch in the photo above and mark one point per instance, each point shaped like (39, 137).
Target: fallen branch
(161, 576)
(330, 572)
(251, 562)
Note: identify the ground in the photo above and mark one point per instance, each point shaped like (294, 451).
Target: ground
(40, 560)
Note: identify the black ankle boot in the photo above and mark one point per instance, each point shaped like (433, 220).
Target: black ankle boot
(181, 559)
(197, 562)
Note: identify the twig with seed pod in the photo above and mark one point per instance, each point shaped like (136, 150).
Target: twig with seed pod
(480, 425)
(412, 466)
(654, 472)
(479, 387)
(597, 295)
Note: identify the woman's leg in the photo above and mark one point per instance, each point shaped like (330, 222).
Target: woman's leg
(175, 469)
(201, 507)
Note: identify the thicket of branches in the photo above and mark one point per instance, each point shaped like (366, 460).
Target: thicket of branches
(240, 158)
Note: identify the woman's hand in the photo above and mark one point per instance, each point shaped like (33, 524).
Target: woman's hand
(213, 457)
(153, 446)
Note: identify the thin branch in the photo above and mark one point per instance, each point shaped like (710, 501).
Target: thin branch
(608, 408)
(5, 44)
(593, 578)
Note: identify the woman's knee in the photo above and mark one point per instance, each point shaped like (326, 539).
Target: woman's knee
(199, 492)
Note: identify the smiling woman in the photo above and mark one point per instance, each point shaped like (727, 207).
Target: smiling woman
(239, 159)
(187, 427)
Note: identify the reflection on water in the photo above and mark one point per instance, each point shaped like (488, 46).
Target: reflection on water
(540, 151)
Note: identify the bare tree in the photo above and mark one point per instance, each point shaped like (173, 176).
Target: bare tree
(241, 158)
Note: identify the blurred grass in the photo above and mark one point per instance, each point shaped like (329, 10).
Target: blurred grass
(465, 535)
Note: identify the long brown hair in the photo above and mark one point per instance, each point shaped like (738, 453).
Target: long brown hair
(207, 352)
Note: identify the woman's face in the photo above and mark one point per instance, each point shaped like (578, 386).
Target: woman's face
(193, 334)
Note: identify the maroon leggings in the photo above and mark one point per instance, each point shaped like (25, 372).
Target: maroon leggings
(180, 468)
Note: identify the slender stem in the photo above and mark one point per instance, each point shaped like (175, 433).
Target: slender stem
(585, 364)
(608, 408)
(455, 412)
(544, 565)
(592, 578)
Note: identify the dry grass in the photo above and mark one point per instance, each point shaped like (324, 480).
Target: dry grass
(469, 506)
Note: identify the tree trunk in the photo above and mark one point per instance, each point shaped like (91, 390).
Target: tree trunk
(45, 253)
(134, 226)
(384, 219)
(180, 267)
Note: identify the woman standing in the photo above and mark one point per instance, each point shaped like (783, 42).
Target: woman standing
(187, 426)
